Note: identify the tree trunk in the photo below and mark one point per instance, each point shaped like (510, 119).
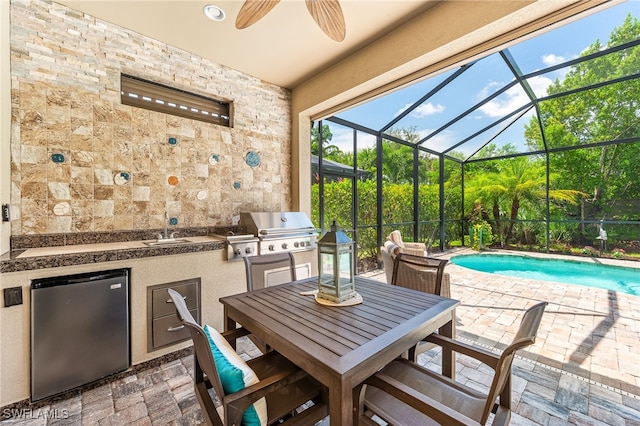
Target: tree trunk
(515, 206)
(496, 216)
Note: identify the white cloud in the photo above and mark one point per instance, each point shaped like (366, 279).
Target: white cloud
(401, 110)
(551, 59)
(439, 142)
(504, 104)
(539, 84)
(343, 139)
(487, 90)
(514, 98)
(423, 110)
(427, 109)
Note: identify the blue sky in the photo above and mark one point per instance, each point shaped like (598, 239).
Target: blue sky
(486, 76)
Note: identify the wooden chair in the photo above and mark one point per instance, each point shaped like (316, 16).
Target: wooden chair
(404, 393)
(424, 274)
(421, 273)
(256, 266)
(284, 386)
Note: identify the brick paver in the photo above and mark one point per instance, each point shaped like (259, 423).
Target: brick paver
(584, 366)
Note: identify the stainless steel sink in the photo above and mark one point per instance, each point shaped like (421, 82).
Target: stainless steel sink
(166, 242)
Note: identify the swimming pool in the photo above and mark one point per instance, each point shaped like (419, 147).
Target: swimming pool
(608, 277)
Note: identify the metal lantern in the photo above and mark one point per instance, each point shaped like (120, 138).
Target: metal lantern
(335, 264)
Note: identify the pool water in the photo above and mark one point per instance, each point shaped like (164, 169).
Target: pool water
(608, 277)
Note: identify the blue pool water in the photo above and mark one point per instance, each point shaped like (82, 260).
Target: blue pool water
(616, 278)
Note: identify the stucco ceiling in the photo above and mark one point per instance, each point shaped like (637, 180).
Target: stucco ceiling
(285, 47)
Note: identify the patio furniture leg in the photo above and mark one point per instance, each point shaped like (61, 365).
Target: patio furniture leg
(448, 356)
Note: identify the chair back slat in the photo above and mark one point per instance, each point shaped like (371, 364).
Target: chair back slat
(419, 273)
(202, 356)
(257, 266)
(525, 336)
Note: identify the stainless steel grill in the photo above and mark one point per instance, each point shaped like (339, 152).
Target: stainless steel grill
(279, 232)
(271, 232)
(240, 245)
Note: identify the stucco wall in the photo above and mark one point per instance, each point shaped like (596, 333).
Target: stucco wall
(15, 324)
(65, 99)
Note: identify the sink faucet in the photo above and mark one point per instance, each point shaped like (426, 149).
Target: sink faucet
(166, 221)
(166, 235)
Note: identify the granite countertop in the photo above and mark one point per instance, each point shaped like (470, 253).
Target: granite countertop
(78, 254)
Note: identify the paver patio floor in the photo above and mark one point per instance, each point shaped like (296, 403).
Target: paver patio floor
(585, 366)
(583, 370)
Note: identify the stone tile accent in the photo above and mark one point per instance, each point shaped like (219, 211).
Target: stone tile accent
(66, 100)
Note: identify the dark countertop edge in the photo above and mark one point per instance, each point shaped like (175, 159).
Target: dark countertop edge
(9, 262)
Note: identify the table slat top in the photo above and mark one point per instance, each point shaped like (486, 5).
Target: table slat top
(339, 337)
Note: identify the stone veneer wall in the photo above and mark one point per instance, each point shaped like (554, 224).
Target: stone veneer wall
(65, 88)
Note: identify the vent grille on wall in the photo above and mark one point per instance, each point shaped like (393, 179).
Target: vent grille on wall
(141, 93)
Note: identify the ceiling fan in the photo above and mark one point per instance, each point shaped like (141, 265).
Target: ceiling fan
(326, 13)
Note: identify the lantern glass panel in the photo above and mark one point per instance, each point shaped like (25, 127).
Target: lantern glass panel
(328, 268)
(346, 267)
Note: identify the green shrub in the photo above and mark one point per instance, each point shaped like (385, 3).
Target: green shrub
(618, 253)
(481, 229)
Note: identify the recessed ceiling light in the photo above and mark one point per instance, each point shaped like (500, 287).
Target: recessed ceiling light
(214, 13)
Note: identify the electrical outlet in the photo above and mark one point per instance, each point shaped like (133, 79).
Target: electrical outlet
(12, 296)
(6, 213)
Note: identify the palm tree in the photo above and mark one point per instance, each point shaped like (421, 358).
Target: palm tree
(517, 180)
(328, 150)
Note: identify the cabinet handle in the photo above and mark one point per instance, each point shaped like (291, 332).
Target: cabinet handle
(171, 300)
(176, 328)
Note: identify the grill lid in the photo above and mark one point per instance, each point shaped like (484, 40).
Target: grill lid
(276, 224)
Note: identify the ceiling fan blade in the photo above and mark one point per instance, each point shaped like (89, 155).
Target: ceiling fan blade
(252, 11)
(328, 16)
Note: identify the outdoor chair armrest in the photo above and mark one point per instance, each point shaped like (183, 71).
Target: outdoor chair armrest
(482, 355)
(488, 358)
(434, 409)
(238, 402)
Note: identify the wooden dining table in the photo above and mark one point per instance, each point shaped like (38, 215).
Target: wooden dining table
(340, 346)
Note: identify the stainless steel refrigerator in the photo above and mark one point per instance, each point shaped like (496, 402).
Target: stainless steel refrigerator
(80, 330)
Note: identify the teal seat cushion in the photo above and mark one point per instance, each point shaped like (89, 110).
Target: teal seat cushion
(235, 375)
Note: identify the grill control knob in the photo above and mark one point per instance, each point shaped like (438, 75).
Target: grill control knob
(248, 250)
(285, 246)
(296, 244)
(308, 243)
(271, 247)
(238, 252)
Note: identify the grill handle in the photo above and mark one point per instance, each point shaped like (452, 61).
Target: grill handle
(286, 231)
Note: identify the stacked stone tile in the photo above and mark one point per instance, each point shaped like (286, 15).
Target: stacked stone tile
(65, 74)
